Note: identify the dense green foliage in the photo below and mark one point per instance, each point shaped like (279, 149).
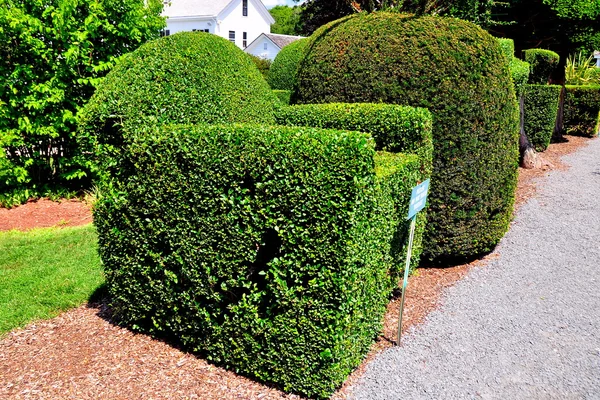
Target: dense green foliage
(394, 129)
(46, 271)
(543, 63)
(263, 65)
(284, 96)
(287, 20)
(581, 110)
(519, 69)
(184, 78)
(284, 71)
(52, 55)
(540, 112)
(267, 249)
(457, 71)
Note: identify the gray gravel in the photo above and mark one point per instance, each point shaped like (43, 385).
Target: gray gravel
(527, 325)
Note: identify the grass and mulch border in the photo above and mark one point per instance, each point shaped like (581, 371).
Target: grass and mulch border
(81, 354)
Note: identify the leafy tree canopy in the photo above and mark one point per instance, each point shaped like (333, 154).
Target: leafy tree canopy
(53, 53)
(287, 20)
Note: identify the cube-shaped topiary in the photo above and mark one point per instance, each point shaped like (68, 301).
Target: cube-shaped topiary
(270, 250)
(540, 109)
(457, 71)
(284, 69)
(543, 63)
(582, 110)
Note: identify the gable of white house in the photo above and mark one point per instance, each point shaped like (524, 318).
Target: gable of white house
(240, 21)
(263, 47)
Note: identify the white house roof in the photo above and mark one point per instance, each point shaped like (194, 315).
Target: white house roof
(282, 40)
(193, 8)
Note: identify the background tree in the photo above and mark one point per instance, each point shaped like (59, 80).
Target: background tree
(287, 20)
(52, 54)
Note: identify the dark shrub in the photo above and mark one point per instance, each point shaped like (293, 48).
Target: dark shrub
(183, 78)
(581, 110)
(455, 69)
(285, 66)
(283, 96)
(543, 63)
(540, 112)
(394, 129)
(267, 249)
(263, 64)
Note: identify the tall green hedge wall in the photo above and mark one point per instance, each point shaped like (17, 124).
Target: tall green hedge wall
(284, 69)
(456, 70)
(540, 111)
(543, 63)
(519, 69)
(269, 250)
(582, 110)
(184, 78)
(396, 129)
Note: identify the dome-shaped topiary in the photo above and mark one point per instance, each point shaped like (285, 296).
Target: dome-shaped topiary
(282, 75)
(457, 71)
(184, 78)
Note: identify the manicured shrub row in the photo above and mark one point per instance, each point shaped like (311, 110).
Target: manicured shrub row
(581, 110)
(263, 65)
(284, 69)
(519, 69)
(269, 250)
(283, 96)
(456, 70)
(183, 78)
(540, 112)
(543, 63)
(394, 129)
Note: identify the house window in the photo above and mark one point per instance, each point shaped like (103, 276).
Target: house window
(245, 8)
(165, 32)
(265, 46)
(206, 30)
(232, 36)
(245, 39)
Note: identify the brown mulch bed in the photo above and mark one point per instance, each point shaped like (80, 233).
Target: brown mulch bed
(81, 355)
(45, 213)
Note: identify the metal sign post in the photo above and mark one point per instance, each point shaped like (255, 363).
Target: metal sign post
(418, 199)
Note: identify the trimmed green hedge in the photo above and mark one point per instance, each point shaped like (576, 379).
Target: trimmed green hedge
(581, 110)
(543, 63)
(284, 69)
(457, 71)
(519, 69)
(394, 129)
(184, 78)
(540, 112)
(263, 64)
(283, 96)
(270, 250)
(508, 48)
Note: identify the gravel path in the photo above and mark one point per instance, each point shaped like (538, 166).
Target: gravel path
(527, 325)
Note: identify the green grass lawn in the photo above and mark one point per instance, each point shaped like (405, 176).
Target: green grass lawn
(46, 271)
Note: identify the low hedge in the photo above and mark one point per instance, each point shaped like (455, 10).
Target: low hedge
(457, 71)
(283, 96)
(267, 249)
(284, 69)
(540, 112)
(394, 128)
(543, 63)
(581, 110)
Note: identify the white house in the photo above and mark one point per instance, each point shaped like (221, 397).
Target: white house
(267, 45)
(240, 21)
(597, 57)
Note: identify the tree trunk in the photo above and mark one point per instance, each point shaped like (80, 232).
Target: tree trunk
(529, 157)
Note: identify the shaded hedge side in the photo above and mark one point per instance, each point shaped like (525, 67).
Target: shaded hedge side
(582, 110)
(267, 249)
(456, 70)
(543, 63)
(540, 112)
(284, 69)
(283, 96)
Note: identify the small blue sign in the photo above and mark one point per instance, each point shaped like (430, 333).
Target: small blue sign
(418, 199)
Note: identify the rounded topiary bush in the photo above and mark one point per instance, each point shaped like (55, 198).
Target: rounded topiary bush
(185, 78)
(282, 75)
(457, 71)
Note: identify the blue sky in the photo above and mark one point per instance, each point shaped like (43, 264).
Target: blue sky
(273, 3)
